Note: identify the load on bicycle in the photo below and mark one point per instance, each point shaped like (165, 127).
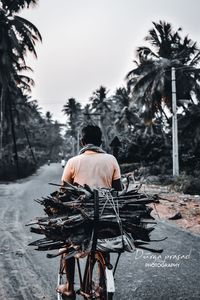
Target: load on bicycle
(93, 218)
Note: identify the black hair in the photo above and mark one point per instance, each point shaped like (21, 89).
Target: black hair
(91, 134)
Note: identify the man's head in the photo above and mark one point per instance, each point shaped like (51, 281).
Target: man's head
(91, 134)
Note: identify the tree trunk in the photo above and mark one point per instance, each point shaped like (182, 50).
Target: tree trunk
(1, 120)
(29, 144)
(14, 138)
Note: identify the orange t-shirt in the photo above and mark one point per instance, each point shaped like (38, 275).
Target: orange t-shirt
(92, 168)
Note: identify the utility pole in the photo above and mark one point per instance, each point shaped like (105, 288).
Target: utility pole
(73, 146)
(1, 123)
(174, 126)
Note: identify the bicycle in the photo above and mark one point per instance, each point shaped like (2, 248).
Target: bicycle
(97, 280)
(117, 227)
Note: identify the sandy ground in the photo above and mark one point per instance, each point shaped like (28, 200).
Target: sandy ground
(185, 207)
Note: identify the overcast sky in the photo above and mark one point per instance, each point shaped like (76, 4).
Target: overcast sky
(88, 43)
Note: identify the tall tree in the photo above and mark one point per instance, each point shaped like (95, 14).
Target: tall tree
(16, 5)
(87, 115)
(72, 108)
(126, 117)
(17, 37)
(48, 116)
(101, 107)
(150, 80)
(122, 97)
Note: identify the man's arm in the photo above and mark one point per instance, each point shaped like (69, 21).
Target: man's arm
(117, 185)
(67, 175)
(116, 181)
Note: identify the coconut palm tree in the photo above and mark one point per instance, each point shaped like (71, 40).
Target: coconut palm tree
(87, 115)
(48, 116)
(101, 106)
(72, 108)
(17, 37)
(99, 100)
(122, 97)
(16, 5)
(150, 80)
(126, 117)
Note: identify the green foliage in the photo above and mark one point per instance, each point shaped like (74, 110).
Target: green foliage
(8, 168)
(187, 184)
(145, 148)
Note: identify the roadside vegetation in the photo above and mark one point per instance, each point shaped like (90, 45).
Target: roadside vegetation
(27, 138)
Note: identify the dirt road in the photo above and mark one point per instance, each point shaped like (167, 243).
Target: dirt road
(26, 274)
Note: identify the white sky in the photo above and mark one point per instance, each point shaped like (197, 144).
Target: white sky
(88, 43)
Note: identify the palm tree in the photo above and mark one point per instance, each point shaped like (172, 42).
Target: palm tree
(127, 121)
(99, 100)
(48, 116)
(72, 108)
(17, 36)
(150, 81)
(101, 107)
(126, 117)
(87, 115)
(16, 5)
(122, 97)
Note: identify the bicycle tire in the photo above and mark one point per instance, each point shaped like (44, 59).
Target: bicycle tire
(95, 283)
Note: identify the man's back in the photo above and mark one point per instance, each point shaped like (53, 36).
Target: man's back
(92, 168)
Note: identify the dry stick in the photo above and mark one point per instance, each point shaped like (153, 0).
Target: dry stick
(166, 199)
(124, 201)
(156, 210)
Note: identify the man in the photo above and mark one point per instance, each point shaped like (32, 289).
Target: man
(95, 168)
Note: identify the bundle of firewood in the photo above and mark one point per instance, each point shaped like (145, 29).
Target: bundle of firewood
(70, 217)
